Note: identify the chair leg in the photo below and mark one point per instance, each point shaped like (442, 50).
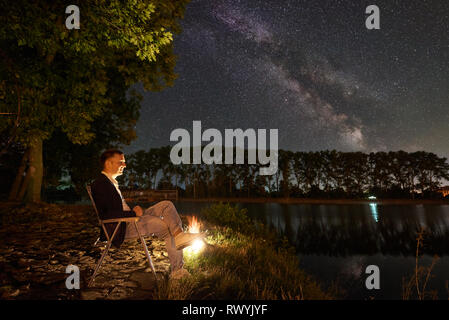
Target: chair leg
(98, 240)
(103, 255)
(145, 249)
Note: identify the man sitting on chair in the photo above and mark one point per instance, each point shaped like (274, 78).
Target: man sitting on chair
(161, 220)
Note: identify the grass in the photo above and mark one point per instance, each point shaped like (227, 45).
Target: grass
(243, 260)
(419, 280)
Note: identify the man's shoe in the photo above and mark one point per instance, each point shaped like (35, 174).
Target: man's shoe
(179, 274)
(185, 239)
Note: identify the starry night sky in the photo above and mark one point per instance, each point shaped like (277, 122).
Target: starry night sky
(312, 70)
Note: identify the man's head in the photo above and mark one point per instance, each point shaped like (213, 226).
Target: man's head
(113, 162)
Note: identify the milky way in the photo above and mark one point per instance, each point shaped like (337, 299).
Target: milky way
(312, 70)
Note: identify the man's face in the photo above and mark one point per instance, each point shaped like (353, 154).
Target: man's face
(116, 164)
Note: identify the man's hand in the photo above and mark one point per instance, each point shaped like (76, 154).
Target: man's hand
(138, 210)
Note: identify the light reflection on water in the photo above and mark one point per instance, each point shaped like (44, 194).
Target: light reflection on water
(373, 207)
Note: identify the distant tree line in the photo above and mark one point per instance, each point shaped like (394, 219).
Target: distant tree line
(324, 174)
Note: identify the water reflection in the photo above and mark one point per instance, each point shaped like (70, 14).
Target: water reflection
(342, 230)
(373, 207)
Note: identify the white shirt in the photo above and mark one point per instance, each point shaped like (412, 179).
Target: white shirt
(115, 183)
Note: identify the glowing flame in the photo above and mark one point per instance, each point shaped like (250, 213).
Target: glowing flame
(194, 227)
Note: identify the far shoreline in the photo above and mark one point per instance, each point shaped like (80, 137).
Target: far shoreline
(319, 201)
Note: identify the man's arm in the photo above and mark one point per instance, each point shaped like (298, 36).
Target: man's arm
(102, 196)
(138, 210)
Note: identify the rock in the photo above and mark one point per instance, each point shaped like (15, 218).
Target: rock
(52, 278)
(25, 287)
(129, 284)
(120, 293)
(146, 281)
(157, 255)
(130, 269)
(143, 263)
(15, 293)
(93, 295)
(24, 262)
(33, 259)
(86, 260)
(36, 243)
(21, 276)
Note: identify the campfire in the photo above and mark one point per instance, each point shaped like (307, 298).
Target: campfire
(194, 227)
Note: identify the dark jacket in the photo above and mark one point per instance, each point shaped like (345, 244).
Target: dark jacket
(109, 206)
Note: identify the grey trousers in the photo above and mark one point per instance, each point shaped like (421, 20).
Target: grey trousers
(160, 220)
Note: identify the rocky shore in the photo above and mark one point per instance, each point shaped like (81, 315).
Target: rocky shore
(38, 242)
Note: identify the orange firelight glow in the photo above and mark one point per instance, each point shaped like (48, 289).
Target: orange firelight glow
(194, 227)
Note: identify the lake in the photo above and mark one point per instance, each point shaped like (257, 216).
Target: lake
(338, 242)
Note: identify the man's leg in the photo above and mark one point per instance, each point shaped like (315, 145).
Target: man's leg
(150, 225)
(166, 211)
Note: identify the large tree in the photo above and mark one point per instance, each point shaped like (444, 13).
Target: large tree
(116, 127)
(61, 77)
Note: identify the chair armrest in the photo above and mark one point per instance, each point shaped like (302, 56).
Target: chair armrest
(129, 219)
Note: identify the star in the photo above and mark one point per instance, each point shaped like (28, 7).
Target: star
(315, 74)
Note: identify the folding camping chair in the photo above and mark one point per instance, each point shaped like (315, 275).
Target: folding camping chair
(108, 245)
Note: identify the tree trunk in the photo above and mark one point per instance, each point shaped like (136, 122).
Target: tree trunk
(24, 186)
(35, 172)
(13, 194)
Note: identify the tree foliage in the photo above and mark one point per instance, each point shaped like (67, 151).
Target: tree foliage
(62, 78)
